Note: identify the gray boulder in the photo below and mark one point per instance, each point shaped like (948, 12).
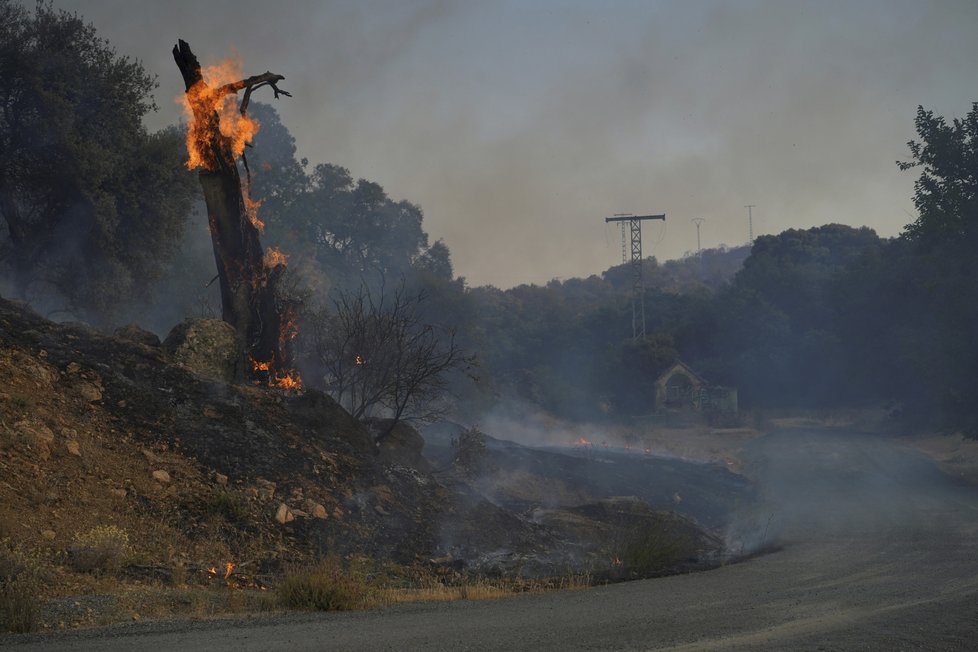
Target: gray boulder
(208, 347)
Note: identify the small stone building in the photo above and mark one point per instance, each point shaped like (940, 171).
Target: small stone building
(681, 388)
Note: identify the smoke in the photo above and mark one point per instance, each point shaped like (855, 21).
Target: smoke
(824, 484)
(187, 287)
(518, 126)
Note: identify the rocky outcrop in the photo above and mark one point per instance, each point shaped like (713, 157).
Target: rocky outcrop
(208, 347)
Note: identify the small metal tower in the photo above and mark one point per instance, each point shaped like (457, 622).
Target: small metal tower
(638, 296)
(698, 221)
(750, 223)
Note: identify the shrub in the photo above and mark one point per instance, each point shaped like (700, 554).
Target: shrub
(228, 504)
(649, 549)
(327, 587)
(101, 549)
(21, 581)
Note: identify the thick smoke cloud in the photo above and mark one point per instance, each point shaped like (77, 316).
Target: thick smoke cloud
(518, 126)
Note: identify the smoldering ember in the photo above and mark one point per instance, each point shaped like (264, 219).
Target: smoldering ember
(239, 383)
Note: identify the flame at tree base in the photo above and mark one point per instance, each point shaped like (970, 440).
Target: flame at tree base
(264, 373)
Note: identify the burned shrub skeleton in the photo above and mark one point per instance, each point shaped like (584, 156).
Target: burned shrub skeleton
(249, 276)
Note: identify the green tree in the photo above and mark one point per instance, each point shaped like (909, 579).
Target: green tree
(775, 329)
(933, 277)
(946, 193)
(91, 203)
(346, 230)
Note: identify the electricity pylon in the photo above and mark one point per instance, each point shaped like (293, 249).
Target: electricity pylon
(750, 223)
(638, 296)
(699, 251)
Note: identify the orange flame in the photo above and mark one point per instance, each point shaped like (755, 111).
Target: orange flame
(360, 361)
(204, 99)
(274, 257)
(251, 210)
(581, 441)
(290, 380)
(228, 569)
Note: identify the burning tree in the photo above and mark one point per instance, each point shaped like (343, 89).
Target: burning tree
(249, 276)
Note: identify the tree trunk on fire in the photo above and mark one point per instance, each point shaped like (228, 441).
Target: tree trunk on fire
(248, 285)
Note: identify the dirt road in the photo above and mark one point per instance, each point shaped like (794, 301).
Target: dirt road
(879, 553)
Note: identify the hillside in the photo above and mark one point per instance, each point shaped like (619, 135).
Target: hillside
(105, 432)
(98, 431)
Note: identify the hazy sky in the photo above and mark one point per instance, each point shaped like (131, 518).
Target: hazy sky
(518, 126)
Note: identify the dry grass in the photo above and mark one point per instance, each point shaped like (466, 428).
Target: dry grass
(426, 586)
(21, 585)
(475, 589)
(386, 597)
(325, 587)
(102, 549)
(365, 584)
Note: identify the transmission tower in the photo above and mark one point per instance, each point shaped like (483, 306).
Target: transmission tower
(624, 248)
(750, 223)
(638, 296)
(697, 221)
(699, 251)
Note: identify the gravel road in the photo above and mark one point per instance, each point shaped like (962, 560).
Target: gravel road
(878, 553)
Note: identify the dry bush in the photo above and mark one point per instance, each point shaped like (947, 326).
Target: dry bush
(228, 504)
(326, 587)
(650, 549)
(101, 549)
(21, 583)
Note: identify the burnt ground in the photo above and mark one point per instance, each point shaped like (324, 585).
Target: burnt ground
(100, 430)
(563, 476)
(878, 554)
(558, 485)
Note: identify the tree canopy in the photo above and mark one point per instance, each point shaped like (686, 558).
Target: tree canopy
(347, 230)
(946, 192)
(92, 204)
